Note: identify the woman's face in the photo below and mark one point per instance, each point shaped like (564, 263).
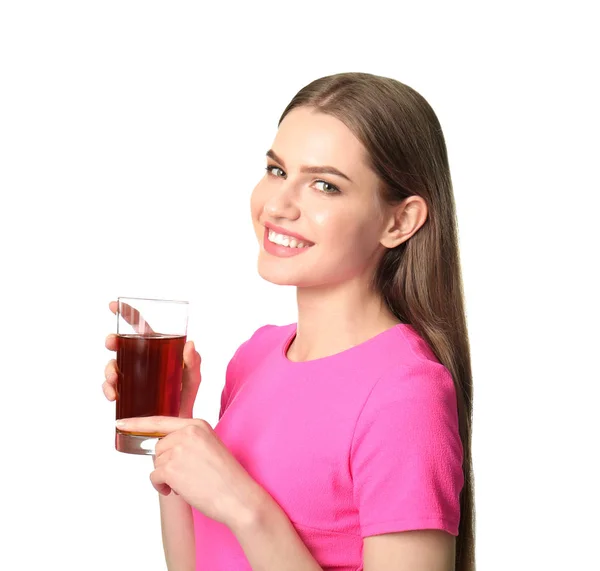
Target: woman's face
(338, 218)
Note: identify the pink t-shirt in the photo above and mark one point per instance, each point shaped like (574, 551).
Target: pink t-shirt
(359, 443)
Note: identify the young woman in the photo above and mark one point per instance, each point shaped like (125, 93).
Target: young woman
(343, 441)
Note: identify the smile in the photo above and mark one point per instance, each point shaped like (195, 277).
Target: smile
(284, 246)
(286, 241)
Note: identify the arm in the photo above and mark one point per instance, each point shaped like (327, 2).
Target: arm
(226, 494)
(407, 472)
(422, 550)
(269, 539)
(270, 542)
(176, 520)
(177, 526)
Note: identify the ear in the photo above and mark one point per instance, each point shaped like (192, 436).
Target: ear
(404, 220)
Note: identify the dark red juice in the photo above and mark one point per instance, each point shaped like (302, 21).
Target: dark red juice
(150, 371)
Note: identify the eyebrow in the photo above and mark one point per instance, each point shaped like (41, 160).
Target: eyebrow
(305, 169)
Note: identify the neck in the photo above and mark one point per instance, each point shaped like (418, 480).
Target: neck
(336, 318)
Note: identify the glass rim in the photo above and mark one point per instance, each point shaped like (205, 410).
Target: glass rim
(153, 299)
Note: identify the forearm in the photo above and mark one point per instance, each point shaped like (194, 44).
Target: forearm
(177, 526)
(270, 541)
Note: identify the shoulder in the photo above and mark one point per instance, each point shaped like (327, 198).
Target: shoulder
(262, 343)
(406, 453)
(416, 395)
(266, 337)
(416, 349)
(413, 389)
(412, 370)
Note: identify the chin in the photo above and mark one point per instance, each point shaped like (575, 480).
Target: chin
(277, 277)
(282, 276)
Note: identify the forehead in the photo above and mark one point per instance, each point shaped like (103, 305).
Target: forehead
(308, 137)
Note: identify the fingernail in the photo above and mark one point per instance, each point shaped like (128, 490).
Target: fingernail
(121, 423)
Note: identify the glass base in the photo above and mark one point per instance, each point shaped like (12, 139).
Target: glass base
(134, 444)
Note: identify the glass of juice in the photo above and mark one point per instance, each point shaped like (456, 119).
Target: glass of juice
(151, 334)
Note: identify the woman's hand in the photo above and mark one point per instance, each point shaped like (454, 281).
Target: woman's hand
(191, 371)
(192, 461)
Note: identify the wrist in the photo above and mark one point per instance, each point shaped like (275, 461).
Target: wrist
(255, 513)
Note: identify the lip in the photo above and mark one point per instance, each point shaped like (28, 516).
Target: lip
(285, 232)
(280, 251)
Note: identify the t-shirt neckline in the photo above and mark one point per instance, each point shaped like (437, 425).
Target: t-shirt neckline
(345, 353)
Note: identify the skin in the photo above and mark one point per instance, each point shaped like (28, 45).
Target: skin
(350, 230)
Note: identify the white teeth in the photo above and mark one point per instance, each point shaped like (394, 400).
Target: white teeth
(284, 240)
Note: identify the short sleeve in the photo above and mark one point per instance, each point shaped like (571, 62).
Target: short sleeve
(238, 364)
(227, 387)
(406, 455)
(231, 375)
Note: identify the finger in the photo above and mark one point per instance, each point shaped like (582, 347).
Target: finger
(158, 481)
(114, 306)
(109, 387)
(111, 342)
(162, 448)
(161, 455)
(109, 391)
(163, 451)
(191, 357)
(110, 371)
(160, 424)
(192, 361)
(191, 379)
(161, 459)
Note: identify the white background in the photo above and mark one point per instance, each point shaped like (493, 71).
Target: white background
(131, 136)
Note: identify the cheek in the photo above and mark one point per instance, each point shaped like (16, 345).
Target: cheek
(346, 229)
(335, 224)
(257, 203)
(254, 201)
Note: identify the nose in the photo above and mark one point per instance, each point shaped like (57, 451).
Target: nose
(282, 203)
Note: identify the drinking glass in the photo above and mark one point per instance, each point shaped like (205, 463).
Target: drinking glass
(151, 334)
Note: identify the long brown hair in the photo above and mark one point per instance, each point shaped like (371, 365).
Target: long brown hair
(421, 279)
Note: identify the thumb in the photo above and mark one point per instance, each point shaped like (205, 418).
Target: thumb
(191, 377)
(191, 358)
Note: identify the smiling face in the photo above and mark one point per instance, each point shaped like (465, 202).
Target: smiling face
(336, 217)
